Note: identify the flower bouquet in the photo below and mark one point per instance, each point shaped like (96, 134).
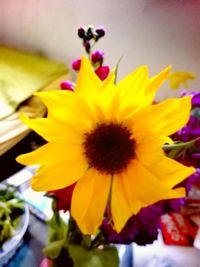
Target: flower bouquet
(110, 157)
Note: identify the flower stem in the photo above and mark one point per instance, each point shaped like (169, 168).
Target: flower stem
(109, 215)
(180, 145)
(117, 67)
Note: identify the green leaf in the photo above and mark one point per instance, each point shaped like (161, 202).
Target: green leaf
(57, 228)
(83, 257)
(53, 250)
(56, 236)
(109, 256)
(87, 240)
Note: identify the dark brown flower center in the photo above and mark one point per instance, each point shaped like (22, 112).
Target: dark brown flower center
(109, 148)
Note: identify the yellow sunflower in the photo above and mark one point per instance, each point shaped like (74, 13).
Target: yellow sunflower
(108, 138)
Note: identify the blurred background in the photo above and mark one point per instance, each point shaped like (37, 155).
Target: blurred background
(156, 33)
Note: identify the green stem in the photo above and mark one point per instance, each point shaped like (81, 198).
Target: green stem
(109, 215)
(116, 68)
(180, 145)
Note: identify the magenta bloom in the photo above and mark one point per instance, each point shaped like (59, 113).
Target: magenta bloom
(196, 100)
(67, 85)
(195, 97)
(191, 131)
(102, 72)
(193, 179)
(97, 56)
(76, 64)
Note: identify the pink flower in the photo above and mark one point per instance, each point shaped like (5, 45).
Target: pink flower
(76, 64)
(97, 56)
(102, 72)
(67, 85)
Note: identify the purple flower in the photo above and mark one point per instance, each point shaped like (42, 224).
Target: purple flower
(190, 156)
(193, 180)
(190, 131)
(195, 97)
(196, 100)
(143, 227)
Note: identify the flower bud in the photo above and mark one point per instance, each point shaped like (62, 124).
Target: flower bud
(102, 72)
(67, 85)
(76, 64)
(89, 34)
(97, 56)
(81, 32)
(100, 31)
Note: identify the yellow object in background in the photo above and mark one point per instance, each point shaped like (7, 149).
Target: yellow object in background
(21, 74)
(178, 78)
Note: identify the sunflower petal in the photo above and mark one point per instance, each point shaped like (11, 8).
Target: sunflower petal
(62, 106)
(56, 101)
(88, 82)
(108, 101)
(120, 206)
(135, 189)
(57, 176)
(134, 203)
(164, 118)
(131, 88)
(149, 149)
(60, 165)
(49, 128)
(146, 187)
(89, 201)
(154, 84)
(171, 171)
(141, 91)
(53, 152)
